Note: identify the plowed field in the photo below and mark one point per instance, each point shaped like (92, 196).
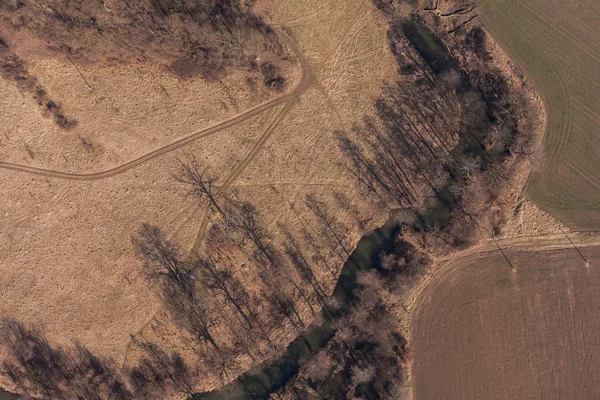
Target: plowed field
(482, 331)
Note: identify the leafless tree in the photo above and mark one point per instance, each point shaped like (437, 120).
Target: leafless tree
(199, 180)
(243, 221)
(159, 373)
(346, 204)
(163, 262)
(224, 283)
(331, 226)
(282, 305)
(190, 310)
(39, 368)
(162, 258)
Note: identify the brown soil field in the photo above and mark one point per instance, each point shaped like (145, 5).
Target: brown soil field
(555, 43)
(483, 331)
(68, 210)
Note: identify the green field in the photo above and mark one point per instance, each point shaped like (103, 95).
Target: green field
(557, 44)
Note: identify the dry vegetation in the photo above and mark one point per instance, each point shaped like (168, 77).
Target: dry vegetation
(190, 38)
(67, 260)
(360, 361)
(444, 150)
(12, 68)
(450, 135)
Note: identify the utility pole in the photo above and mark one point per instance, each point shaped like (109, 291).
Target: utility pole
(512, 267)
(587, 263)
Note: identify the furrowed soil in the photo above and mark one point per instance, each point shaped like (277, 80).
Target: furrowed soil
(483, 331)
(556, 44)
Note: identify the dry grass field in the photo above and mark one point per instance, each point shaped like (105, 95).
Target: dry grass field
(556, 44)
(72, 199)
(482, 331)
(90, 151)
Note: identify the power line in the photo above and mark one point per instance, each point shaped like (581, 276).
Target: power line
(587, 263)
(512, 267)
(80, 74)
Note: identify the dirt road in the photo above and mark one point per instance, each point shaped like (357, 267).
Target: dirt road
(538, 243)
(286, 98)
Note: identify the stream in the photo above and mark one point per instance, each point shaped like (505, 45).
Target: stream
(264, 379)
(4, 395)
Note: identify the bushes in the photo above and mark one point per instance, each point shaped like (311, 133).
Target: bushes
(13, 68)
(41, 369)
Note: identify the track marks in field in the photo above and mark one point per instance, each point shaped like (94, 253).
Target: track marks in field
(61, 198)
(558, 46)
(88, 176)
(483, 331)
(588, 352)
(566, 34)
(313, 13)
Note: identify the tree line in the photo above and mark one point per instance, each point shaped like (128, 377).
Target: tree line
(367, 356)
(190, 37)
(228, 314)
(285, 282)
(14, 69)
(445, 139)
(38, 368)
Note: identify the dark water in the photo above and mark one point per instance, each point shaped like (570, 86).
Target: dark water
(267, 377)
(4, 395)
(429, 46)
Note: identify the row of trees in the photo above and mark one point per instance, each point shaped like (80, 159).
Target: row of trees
(287, 280)
(228, 314)
(14, 69)
(191, 37)
(444, 141)
(38, 368)
(367, 355)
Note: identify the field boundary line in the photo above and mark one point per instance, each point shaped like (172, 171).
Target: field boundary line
(519, 243)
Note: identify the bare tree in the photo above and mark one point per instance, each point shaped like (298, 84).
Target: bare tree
(318, 208)
(38, 368)
(282, 305)
(190, 311)
(162, 258)
(242, 217)
(222, 282)
(199, 180)
(159, 373)
(163, 262)
(346, 204)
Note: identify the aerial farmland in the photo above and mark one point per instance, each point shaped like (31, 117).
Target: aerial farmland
(314, 199)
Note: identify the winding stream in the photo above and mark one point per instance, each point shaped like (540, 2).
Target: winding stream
(262, 380)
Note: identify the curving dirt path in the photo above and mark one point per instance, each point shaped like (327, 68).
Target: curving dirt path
(553, 241)
(286, 98)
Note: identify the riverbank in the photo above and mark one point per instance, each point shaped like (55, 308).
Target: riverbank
(269, 376)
